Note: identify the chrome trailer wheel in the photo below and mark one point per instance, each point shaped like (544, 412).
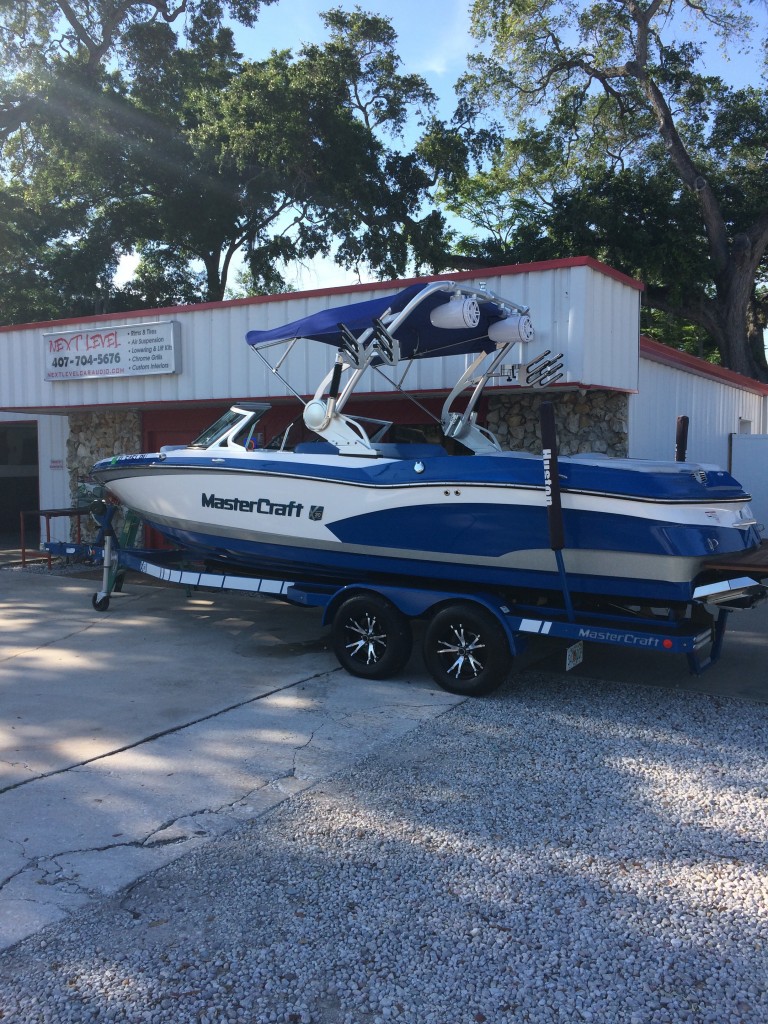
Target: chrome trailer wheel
(466, 650)
(371, 637)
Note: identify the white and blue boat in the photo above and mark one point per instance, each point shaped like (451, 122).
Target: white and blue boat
(353, 506)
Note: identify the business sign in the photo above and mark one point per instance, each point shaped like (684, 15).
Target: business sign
(129, 351)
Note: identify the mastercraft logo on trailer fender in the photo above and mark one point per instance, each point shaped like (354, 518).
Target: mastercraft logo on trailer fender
(262, 506)
(608, 636)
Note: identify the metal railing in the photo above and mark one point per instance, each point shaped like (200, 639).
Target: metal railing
(48, 514)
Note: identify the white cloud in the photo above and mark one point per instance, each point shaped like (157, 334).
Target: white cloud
(441, 42)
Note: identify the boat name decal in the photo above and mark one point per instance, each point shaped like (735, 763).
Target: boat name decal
(261, 506)
(610, 637)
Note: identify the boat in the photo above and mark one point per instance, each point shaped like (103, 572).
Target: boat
(352, 506)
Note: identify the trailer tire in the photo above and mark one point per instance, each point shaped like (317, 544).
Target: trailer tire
(371, 637)
(466, 650)
(100, 604)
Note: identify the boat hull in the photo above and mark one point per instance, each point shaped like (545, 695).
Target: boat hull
(479, 521)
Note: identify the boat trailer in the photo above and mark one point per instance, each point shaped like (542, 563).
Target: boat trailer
(470, 636)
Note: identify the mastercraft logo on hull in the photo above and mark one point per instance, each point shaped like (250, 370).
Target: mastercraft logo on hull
(262, 506)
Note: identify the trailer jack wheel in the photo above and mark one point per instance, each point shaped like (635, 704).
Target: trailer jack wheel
(371, 638)
(100, 603)
(466, 650)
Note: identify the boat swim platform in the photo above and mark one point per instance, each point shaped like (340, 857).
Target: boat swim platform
(753, 562)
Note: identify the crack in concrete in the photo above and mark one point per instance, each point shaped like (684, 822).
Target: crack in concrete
(53, 873)
(49, 643)
(55, 877)
(19, 847)
(164, 732)
(298, 748)
(30, 865)
(18, 764)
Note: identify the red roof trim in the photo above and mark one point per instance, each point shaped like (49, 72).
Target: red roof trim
(658, 353)
(463, 275)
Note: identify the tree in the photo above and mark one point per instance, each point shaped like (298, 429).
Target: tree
(626, 148)
(69, 131)
(40, 40)
(188, 155)
(384, 197)
(282, 158)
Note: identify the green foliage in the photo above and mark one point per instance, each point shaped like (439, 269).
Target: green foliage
(619, 145)
(181, 152)
(363, 47)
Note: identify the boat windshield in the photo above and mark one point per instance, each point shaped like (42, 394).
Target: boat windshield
(216, 430)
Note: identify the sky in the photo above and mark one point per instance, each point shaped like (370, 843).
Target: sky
(433, 36)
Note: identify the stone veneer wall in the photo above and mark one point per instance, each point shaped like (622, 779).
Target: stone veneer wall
(94, 436)
(586, 421)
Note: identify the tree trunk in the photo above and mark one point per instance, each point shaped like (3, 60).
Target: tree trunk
(729, 317)
(757, 337)
(735, 301)
(738, 350)
(735, 261)
(214, 285)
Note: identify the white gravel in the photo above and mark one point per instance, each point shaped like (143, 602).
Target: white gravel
(566, 852)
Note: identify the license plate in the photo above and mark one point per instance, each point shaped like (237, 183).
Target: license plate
(574, 655)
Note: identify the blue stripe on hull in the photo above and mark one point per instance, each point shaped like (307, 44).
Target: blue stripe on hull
(494, 530)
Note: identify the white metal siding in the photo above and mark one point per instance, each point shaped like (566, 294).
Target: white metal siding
(52, 433)
(581, 311)
(749, 464)
(713, 407)
(612, 315)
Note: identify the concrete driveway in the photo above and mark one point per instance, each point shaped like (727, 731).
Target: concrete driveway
(129, 737)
